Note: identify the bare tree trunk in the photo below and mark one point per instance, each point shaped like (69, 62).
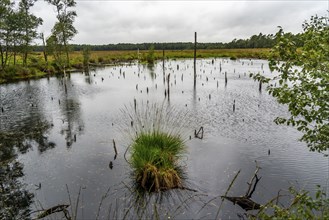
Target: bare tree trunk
(44, 48)
(67, 55)
(163, 66)
(14, 58)
(26, 40)
(2, 58)
(6, 56)
(25, 56)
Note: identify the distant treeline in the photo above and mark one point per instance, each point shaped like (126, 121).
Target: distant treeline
(255, 41)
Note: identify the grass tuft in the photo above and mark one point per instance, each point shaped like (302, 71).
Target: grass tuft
(156, 147)
(155, 157)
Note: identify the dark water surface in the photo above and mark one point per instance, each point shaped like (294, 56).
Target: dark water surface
(64, 140)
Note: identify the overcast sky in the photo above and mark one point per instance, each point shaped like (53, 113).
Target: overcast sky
(107, 21)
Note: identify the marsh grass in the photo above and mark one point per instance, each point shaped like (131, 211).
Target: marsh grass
(148, 117)
(155, 159)
(40, 68)
(156, 145)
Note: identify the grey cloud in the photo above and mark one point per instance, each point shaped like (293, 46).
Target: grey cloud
(102, 22)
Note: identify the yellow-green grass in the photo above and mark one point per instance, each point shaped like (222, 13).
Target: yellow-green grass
(154, 159)
(76, 57)
(237, 53)
(39, 68)
(117, 56)
(18, 72)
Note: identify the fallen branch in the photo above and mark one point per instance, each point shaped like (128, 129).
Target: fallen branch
(228, 189)
(245, 201)
(197, 134)
(52, 210)
(188, 189)
(250, 183)
(115, 150)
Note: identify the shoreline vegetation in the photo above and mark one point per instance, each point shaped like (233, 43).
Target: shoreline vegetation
(37, 67)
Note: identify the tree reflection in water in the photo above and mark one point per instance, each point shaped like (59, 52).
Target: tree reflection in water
(22, 127)
(15, 199)
(70, 108)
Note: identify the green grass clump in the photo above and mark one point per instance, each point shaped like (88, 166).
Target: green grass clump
(155, 157)
(155, 133)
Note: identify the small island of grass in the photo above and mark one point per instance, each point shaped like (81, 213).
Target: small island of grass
(155, 161)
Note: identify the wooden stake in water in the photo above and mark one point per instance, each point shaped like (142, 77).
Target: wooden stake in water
(115, 148)
(65, 88)
(135, 104)
(163, 60)
(225, 79)
(168, 82)
(195, 40)
(260, 86)
(163, 65)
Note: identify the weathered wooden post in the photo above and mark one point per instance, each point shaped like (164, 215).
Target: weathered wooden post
(135, 104)
(115, 148)
(225, 79)
(163, 65)
(195, 40)
(168, 81)
(260, 86)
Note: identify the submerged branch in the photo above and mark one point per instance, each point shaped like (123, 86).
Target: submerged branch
(250, 183)
(228, 189)
(52, 210)
(245, 201)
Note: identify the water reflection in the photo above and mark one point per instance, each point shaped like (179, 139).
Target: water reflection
(25, 126)
(23, 122)
(72, 124)
(88, 78)
(150, 68)
(15, 199)
(85, 109)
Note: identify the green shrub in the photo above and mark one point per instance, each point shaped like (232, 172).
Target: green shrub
(302, 206)
(150, 55)
(34, 61)
(100, 59)
(32, 71)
